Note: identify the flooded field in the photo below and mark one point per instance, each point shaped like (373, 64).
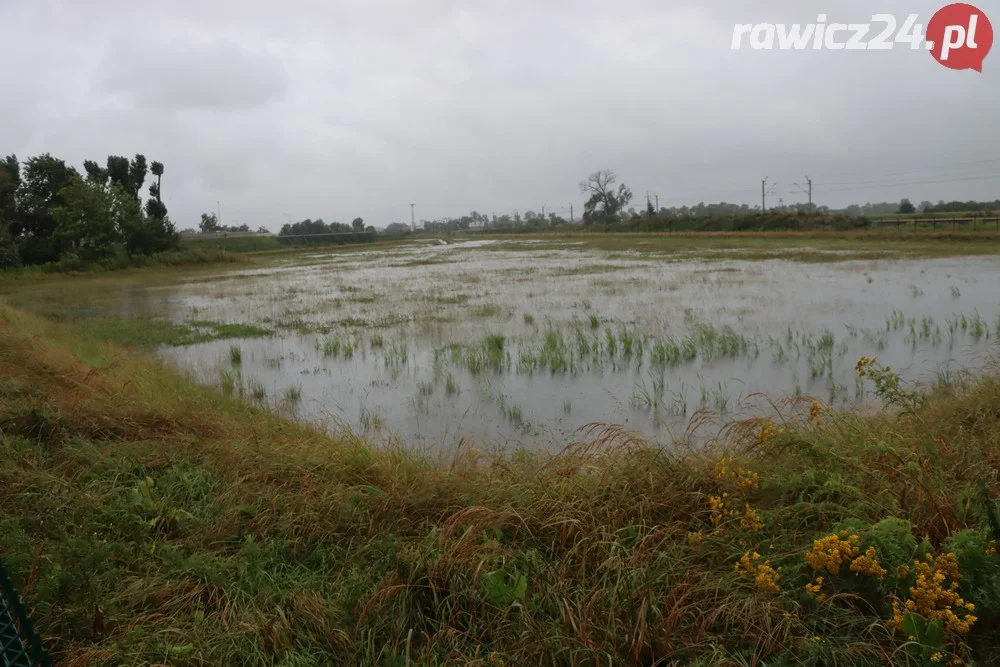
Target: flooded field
(520, 343)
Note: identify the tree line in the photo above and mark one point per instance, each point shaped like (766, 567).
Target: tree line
(317, 232)
(51, 213)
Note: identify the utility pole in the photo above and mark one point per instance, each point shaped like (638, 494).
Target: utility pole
(657, 203)
(571, 212)
(807, 190)
(543, 211)
(218, 211)
(413, 220)
(764, 192)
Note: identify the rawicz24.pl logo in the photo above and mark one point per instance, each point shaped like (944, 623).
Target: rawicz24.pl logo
(959, 36)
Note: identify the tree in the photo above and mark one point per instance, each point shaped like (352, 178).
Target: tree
(118, 170)
(40, 193)
(87, 219)
(906, 207)
(95, 173)
(144, 235)
(155, 207)
(209, 223)
(157, 169)
(358, 225)
(10, 180)
(263, 230)
(605, 202)
(136, 175)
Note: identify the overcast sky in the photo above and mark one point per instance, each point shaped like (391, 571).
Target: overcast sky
(337, 109)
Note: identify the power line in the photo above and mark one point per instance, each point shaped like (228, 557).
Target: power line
(906, 170)
(875, 185)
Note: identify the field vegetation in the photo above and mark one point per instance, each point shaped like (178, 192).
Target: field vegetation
(148, 520)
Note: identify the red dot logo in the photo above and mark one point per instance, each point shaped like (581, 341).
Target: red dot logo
(959, 36)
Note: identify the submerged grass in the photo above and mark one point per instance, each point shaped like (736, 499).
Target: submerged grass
(149, 520)
(143, 332)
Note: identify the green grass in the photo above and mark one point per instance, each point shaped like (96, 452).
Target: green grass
(816, 247)
(337, 346)
(238, 244)
(141, 332)
(203, 530)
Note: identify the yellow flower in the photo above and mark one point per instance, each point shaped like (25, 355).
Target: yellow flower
(934, 595)
(868, 564)
(815, 590)
(765, 577)
(694, 539)
(745, 480)
(751, 520)
(495, 659)
(864, 363)
(832, 551)
(991, 549)
(768, 432)
(816, 411)
(937, 657)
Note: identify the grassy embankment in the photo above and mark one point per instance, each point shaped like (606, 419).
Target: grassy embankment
(148, 520)
(809, 246)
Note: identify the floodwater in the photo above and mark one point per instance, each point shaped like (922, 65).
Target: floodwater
(508, 344)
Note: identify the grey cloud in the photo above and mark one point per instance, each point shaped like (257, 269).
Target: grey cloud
(185, 73)
(308, 108)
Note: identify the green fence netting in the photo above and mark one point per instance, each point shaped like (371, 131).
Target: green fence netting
(20, 645)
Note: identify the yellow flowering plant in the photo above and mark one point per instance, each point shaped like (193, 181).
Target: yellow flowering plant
(860, 561)
(737, 483)
(817, 410)
(765, 577)
(888, 385)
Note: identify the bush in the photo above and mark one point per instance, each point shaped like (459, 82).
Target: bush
(10, 257)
